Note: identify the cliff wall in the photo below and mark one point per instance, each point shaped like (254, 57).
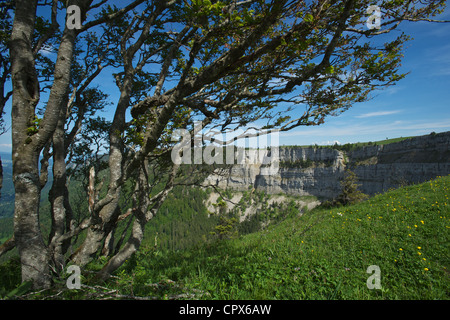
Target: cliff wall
(318, 171)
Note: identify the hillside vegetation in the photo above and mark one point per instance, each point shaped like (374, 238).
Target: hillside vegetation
(320, 254)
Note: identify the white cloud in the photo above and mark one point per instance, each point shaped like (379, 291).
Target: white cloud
(5, 147)
(438, 59)
(343, 132)
(377, 114)
(327, 143)
(47, 51)
(393, 89)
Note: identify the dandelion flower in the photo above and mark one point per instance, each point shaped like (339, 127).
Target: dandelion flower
(400, 249)
(419, 253)
(426, 269)
(419, 248)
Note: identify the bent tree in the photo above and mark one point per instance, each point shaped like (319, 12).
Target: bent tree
(230, 64)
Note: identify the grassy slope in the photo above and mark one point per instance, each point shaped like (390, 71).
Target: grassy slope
(357, 144)
(323, 254)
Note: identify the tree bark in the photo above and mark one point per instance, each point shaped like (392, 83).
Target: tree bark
(57, 195)
(108, 214)
(28, 138)
(27, 234)
(132, 245)
(142, 214)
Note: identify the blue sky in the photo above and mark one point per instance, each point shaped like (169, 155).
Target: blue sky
(417, 105)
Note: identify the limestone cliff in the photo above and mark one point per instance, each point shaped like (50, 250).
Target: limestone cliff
(318, 171)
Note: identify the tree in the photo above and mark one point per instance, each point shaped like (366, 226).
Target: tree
(29, 137)
(226, 63)
(349, 190)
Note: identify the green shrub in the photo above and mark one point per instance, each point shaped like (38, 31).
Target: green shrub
(10, 276)
(349, 192)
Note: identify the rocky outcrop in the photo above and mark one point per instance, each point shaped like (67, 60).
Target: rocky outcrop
(414, 160)
(318, 171)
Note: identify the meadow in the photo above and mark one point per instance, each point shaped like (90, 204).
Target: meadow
(319, 254)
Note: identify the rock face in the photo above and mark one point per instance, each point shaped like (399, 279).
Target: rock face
(318, 171)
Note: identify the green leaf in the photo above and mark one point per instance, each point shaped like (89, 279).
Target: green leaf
(308, 18)
(329, 69)
(20, 290)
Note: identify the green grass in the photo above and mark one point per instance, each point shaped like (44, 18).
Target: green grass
(323, 254)
(381, 142)
(353, 145)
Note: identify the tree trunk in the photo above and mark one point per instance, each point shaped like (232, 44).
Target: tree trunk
(58, 194)
(108, 213)
(142, 214)
(27, 234)
(28, 138)
(137, 232)
(132, 245)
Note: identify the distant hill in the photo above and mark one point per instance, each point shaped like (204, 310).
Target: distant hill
(7, 192)
(317, 171)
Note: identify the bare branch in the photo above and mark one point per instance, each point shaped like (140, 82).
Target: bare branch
(111, 16)
(53, 27)
(7, 246)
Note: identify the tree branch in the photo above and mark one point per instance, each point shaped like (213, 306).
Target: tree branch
(111, 16)
(7, 246)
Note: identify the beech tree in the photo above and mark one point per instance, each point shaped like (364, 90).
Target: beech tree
(29, 137)
(227, 63)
